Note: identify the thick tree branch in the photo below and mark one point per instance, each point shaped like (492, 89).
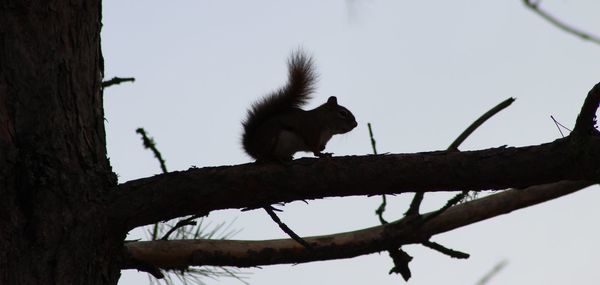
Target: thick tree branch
(182, 253)
(250, 185)
(586, 120)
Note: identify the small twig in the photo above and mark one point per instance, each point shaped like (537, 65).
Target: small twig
(182, 223)
(401, 260)
(373, 143)
(399, 256)
(586, 120)
(418, 198)
(150, 144)
(285, 228)
(559, 125)
(149, 268)
(116, 80)
(415, 204)
(447, 251)
(453, 201)
(535, 7)
(184, 273)
(497, 268)
(381, 208)
(486, 116)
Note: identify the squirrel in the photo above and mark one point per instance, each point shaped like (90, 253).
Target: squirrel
(276, 127)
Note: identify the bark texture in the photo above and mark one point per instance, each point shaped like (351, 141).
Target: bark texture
(53, 167)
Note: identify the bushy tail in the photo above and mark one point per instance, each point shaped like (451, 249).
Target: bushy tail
(297, 91)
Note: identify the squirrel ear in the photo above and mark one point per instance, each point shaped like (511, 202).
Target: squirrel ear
(332, 100)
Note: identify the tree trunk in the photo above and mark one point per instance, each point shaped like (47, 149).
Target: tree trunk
(53, 167)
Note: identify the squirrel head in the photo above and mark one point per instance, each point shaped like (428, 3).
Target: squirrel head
(339, 119)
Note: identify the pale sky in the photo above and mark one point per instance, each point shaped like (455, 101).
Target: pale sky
(419, 71)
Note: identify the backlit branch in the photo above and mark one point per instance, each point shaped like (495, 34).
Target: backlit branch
(563, 166)
(535, 7)
(184, 193)
(181, 253)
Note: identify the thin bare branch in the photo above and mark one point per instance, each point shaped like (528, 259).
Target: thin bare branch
(486, 116)
(150, 144)
(447, 251)
(488, 276)
(381, 209)
(181, 223)
(285, 228)
(535, 7)
(558, 125)
(116, 80)
(413, 209)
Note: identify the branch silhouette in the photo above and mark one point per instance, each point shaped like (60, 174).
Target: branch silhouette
(537, 174)
(240, 253)
(535, 7)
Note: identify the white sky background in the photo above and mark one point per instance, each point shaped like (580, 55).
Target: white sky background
(420, 71)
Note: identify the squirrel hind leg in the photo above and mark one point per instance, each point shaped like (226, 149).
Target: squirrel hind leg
(288, 143)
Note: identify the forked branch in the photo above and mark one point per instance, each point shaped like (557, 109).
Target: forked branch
(182, 253)
(575, 158)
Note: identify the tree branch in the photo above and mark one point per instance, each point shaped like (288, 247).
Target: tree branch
(489, 275)
(151, 145)
(182, 223)
(415, 204)
(586, 120)
(250, 185)
(271, 212)
(177, 254)
(486, 116)
(447, 251)
(576, 157)
(534, 6)
(116, 80)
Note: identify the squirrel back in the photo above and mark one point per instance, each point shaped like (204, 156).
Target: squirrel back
(276, 127)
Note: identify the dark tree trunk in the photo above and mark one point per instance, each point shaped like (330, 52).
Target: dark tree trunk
(53, 167)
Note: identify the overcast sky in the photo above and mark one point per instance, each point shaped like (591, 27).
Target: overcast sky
(419, 71)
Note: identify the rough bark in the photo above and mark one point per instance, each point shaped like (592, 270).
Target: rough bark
(53, 167)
